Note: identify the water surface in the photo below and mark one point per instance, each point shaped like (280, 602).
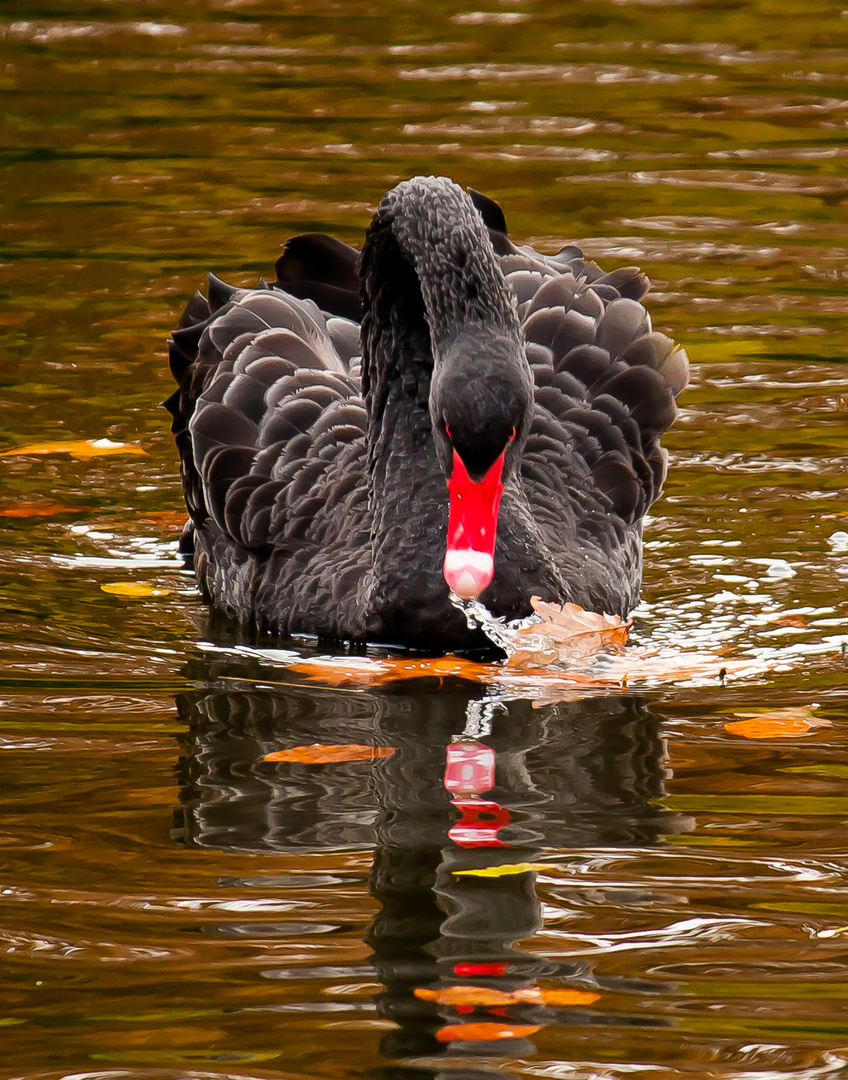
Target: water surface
(170, 904)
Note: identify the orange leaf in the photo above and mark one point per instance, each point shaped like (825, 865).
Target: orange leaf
(769, 727)
(78, 448)
(485, 997)
(27, 510)
(467, 995)
(778, 724)
(567, 997)
(319, 754)
(366, 671)
(485, 1032)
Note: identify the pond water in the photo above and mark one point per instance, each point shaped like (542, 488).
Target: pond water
(639, 884)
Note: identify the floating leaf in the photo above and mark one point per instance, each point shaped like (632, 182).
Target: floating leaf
(28, 510)
(502, 871)
(569, 997)
(319, 754)
(467, 995)
(371, 671)
(78, 448)
(532, 659)
(785, 618)
(485, 997)
(485, 1032)
(568, 650)
(133, 590)
(568, 632)
(169, 518)
(777, 724)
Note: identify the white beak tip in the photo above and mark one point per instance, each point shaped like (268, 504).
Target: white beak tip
(468, 572)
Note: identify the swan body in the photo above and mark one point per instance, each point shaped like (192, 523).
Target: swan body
(442, 408)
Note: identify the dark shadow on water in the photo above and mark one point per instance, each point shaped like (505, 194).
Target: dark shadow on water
(524, 783)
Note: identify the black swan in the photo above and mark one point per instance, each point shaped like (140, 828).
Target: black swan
(443, 408)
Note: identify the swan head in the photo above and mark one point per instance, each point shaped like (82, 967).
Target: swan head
(480, 403)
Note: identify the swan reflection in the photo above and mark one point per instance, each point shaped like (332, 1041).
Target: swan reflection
(479, 801)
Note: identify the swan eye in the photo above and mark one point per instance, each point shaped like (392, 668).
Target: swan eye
(511, 435)
(447, 431)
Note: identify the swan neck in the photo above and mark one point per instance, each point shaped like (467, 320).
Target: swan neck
(442, 235)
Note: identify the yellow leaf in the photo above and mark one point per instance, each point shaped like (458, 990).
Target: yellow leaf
(502, 871)
(78, 448)
(133, 590)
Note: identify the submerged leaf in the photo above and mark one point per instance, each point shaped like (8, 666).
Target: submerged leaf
(832, 772)
(78, 448)
(319, 754)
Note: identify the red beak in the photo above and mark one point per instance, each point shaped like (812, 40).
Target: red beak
(472, 528)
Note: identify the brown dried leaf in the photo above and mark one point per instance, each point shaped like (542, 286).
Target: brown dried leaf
(567, 632)
(530, 659)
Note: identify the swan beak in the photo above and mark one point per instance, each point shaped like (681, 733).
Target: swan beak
(472, 528)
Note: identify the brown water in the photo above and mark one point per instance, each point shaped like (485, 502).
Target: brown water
(170, 905)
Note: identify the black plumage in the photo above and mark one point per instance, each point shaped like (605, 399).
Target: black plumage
(316, 420)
